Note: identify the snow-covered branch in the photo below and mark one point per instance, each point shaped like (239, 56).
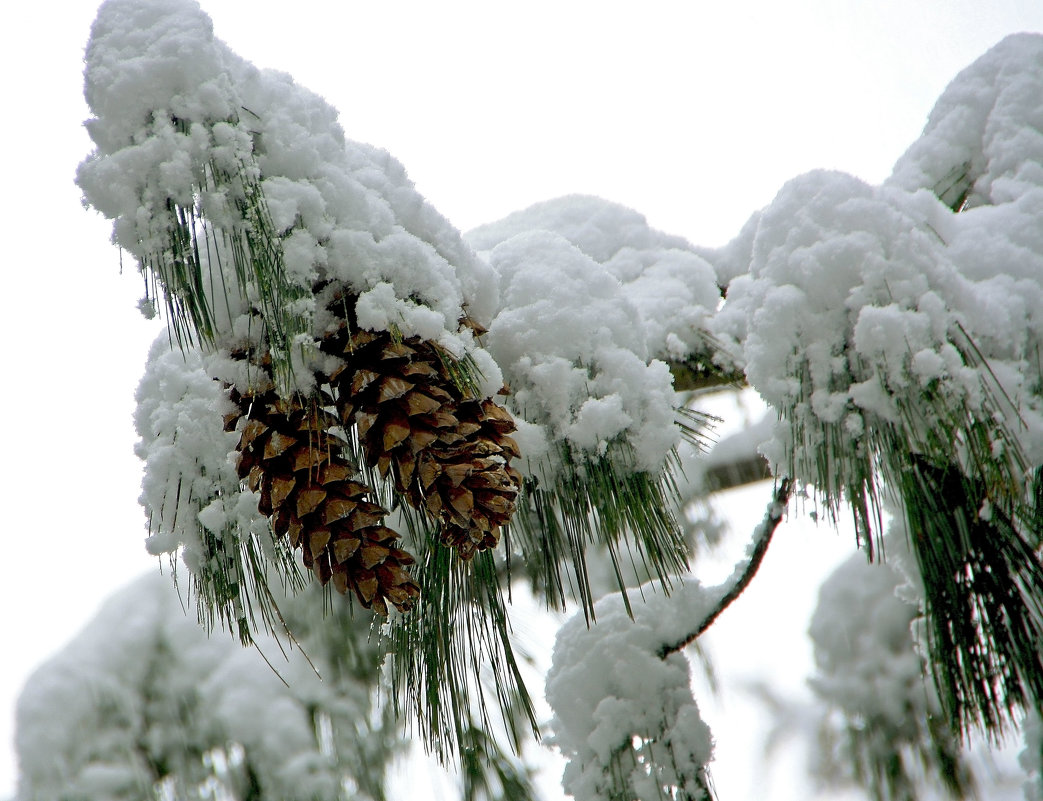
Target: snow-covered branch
(744, 571)
(624, 714)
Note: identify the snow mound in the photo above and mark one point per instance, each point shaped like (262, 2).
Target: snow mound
(174, 108)
(190, 481)
(673, 288)
(592, 301)
(624, 717)
(858, 301)
(143, 694)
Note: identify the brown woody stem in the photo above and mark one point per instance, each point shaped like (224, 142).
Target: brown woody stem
(743, 573)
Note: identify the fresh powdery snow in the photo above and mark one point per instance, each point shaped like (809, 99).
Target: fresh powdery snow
(190, 477)
(624, 716)
(583, 299)
(144, 692)
(173, 106)
(673, 288)
(868, 666)
(593, 301)
(846, 302)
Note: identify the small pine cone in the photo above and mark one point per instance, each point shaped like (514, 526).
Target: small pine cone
(447, 452)
(312, 493)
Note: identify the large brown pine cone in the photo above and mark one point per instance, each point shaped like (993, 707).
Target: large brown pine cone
(313, 494)
(447, 451)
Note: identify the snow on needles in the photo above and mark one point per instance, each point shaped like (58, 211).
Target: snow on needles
(624, 717)
(143, 695)
(190, 481)
(592, 300)
(868, 666)
(857, 300)
(582, 310)
(173, 106)
(672, 287)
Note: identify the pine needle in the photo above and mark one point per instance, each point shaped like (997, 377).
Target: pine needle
(602, 502)
(191, 269)
(446, 650)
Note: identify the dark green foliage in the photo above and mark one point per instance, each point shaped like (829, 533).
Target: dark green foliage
(605, 503)
(983, 584)
(453, 649)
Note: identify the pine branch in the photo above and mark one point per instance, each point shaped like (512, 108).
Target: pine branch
(982, 583)
(605, 502)
(743, 574)
(695, 375)
(738, 473)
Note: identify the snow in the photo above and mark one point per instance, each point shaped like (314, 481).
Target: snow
(1031, 757)
(169, 100)
(855, 299)
(142, 670)
(620, 708)
(190, 477)
(987, 121)
(844, 303)
(592, 300)
(569, 343)
(673, 288)
(866, 663)
(625, 718)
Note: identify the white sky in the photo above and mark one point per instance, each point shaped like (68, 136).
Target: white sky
(693, 113)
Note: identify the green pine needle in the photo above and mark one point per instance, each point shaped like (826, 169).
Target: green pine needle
(190, 271)
(232, 587)
(454, 649)
(602, 502)
(983, 584)
(959, 476)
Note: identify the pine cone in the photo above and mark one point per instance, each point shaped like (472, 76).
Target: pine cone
(313, 494)
(447, 452)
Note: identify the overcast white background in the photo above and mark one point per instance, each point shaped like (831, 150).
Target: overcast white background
(694, 113)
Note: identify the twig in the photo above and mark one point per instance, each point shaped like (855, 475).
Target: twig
(689, 377)
(761, 539)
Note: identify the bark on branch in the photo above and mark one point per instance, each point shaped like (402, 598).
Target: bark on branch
(743, 573)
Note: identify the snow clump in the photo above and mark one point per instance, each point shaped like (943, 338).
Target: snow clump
(624, 716)
(883, 713)
(144, 696)
(592, 302)
(175, 109)
(190, 482)
(858, 302)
